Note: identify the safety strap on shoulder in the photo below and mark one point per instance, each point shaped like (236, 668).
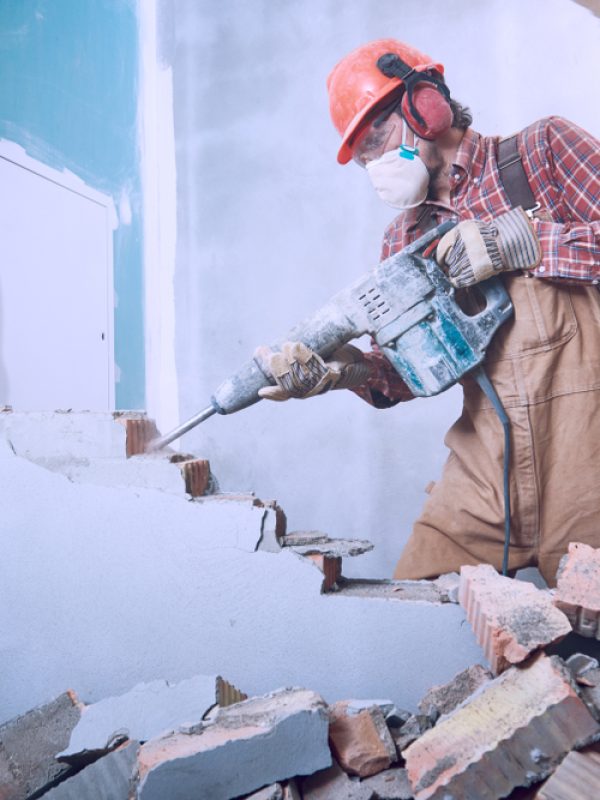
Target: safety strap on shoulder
(513, 176)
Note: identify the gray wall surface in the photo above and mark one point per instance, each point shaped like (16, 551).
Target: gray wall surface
(269, 225)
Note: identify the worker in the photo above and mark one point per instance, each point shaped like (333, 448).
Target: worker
(536, 223)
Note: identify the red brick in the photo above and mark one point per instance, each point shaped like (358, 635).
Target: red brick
(578, 589)
(512, 732)
(361, 743)
(196, 474)
(140, 431)
(330, 566)
(510, 619)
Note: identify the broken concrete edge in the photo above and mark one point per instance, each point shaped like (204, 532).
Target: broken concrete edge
(29, 744)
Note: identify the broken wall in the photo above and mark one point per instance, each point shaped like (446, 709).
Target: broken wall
(269, 226)
(108, 582)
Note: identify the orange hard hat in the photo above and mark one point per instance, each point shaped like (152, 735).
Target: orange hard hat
(356, 85)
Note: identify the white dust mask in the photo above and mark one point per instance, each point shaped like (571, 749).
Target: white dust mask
(399, 176)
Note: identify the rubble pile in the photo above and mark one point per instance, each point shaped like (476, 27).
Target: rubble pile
(525, 729)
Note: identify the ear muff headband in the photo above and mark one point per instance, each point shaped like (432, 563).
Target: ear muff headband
(392, 66)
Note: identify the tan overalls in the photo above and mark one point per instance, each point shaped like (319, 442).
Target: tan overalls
(545, 365)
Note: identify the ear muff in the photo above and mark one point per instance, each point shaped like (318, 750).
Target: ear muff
(426, 111)
(425, 103)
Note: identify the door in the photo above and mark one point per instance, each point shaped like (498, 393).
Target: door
(56, 289)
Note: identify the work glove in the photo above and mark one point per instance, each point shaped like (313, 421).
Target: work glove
(475, 250)
(301, 373)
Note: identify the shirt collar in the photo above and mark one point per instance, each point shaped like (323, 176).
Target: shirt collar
(470, 155)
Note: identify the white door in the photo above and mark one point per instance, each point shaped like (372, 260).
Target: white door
(56, 295)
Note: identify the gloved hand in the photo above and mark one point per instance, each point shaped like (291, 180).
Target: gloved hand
(300, 372)
(475, 250)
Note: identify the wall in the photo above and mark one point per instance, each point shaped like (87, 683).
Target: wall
(68, 95)
(122, 585)
(269, 225)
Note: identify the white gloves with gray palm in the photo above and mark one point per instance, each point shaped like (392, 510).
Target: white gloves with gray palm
(299, 372)
(475, 250)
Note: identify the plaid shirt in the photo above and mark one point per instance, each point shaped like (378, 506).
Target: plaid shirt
(562, 163)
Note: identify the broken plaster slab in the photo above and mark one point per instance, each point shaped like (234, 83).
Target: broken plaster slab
(413, 591)
(268, 739)
(136, 584)
(109, 778)
(336, 548)
(147, 711)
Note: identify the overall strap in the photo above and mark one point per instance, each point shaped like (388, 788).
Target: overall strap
(513, 176)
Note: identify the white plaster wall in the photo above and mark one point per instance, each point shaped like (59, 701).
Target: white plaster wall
(269, 225)
(118, 586)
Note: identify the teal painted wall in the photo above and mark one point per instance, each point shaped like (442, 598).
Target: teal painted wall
(68, 95)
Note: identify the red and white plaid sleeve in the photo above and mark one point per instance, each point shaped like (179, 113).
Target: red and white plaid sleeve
(384, 387)
(571, 248)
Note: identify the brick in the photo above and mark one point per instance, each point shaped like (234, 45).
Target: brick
(268, 739)
(578, 589)
(362, 743)
(444, 699)
(512, 732)
(227, 694)
(511, 619)
(196, 474)
(331, 567)
(334, 784)
(108, 778)
(140, 431)
(145, 712)
(577, 777)
(29, 745)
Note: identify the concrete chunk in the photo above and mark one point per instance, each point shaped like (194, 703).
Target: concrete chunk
(361, 741)
(578, 589)
(578, 776)
(511, 732)
(334, 784)
(444, 699)
(392, 784)
(510, 619)
(145, 712)
(29, 745)
(252, 744)
(108, 778)
(405, 591)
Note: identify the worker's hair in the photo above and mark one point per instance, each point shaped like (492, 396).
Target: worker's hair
(461, 115)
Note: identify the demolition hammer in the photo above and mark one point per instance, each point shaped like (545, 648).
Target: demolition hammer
(408, 306)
